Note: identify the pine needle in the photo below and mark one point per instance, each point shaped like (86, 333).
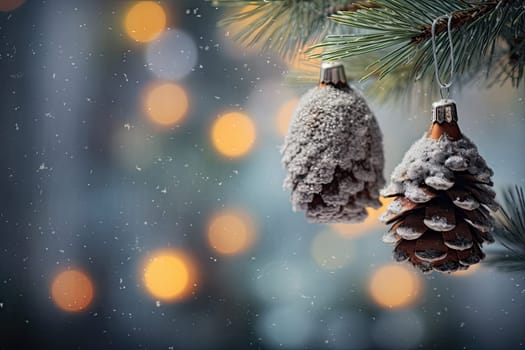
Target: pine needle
(510, 232)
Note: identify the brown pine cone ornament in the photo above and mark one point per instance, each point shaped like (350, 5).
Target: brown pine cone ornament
(441, 212)
(333, 152)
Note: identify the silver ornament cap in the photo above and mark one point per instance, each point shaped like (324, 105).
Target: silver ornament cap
(444, 120)
(444, 110)
(333, 73)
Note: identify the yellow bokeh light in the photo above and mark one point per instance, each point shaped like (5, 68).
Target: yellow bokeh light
(371, 222)
(331, 251)
(394, 286)
(284, 116)
(233, 134)
(166, 103)
(231, 232)
(72, 290)
(10, 5)
(145, 21)
(169, 275)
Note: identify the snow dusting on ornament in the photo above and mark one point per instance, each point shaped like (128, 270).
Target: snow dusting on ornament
(434, 164)
(334, 157)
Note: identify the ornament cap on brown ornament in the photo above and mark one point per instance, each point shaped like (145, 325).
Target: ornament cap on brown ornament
(441, 213)
(444, 120)
(333, 152)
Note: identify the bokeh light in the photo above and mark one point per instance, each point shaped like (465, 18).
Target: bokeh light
(286, 326)
(72, 290)
(394, 286)
(331, 251)
(145, 21)
(10, 5)
(169, 275)
(284, 116)
(233, 134)
(370, 223)
(166, 103)
(398, 330)
(172, 56)
(231, 232)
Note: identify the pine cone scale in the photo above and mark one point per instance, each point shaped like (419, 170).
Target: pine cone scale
(460, 238)
(439, 217)
(430, 247)
(398, 209)
(412, 227)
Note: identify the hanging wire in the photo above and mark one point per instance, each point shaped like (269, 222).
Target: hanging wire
(443, 86)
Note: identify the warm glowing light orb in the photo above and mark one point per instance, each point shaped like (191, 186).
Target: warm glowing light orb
(394, 286)
(166, 103)
(284, 116)
(231, 232)
(145, 21)
(233, 134)
(72, 290)
(169, 275)
(370, 223)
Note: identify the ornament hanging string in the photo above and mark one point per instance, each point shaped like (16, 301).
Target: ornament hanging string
(442, 85)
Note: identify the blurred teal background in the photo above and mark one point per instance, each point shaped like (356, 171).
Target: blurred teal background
(93, 183)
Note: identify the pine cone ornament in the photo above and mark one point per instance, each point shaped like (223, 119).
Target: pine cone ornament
(441, 213)
(333, 152)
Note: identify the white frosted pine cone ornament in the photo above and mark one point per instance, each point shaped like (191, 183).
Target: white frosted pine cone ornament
(333, 152)
(441, 213)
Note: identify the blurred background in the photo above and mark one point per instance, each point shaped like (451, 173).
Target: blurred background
(142, 206)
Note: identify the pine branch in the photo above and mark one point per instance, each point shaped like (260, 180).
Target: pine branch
(400, 31)
(459, 19)
(286, 27)
(354, 6)
(510, 232)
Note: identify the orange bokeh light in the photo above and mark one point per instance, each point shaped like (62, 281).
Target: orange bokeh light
(394, 286)
(72, 290)
(371, 222)
(284, 116)
(166, 103)
(169, 275)
(231, 232)
(233, 134)
(145, 21)
(10, 5)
